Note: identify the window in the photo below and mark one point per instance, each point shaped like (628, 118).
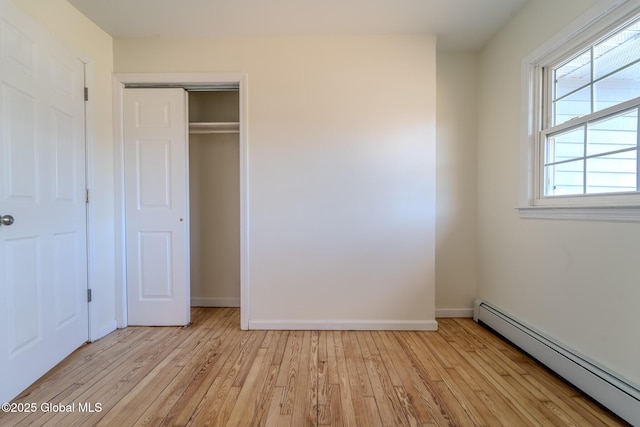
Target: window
(583, 129)
(590, 133)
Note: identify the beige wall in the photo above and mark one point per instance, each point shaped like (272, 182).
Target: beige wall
(214, 174)
(214, 202)
(84, 38)
(456, 212)
(575, 281)
(341, 169)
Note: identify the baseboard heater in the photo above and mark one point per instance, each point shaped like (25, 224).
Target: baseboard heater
(607, 388)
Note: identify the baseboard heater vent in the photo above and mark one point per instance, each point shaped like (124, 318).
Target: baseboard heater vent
(607, 388)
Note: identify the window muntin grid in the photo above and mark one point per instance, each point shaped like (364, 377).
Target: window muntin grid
(590, 144)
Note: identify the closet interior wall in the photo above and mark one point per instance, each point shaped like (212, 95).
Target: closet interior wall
(214, 192)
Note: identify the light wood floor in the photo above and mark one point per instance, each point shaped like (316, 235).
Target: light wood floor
(214, 374)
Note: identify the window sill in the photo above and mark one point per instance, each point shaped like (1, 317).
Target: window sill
(582, 213)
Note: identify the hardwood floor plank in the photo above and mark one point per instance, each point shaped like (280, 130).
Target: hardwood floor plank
(252, 406)
(591, 410)
(314, 377)
(462, 411)
(445, 357)
(372, 412)
(332, 363)
(492, 403)
(441, 407)
(265, 397)
(222, 412)
(479, 337)
(453, 331)
(196, 387)
(551, 383)
(167, 380)
(246, 404)
(554, 408)
(355, 362)
(322, 346)
(324, 394)
(244, 363)
(519, 400)
(282, 344)
(387, 353)
(336, 407)
(273, 413)
(214, 374)
(347, 407)
(192, 370)
(357, 378)
(66, 380)
(289, 371)
(217, 395)
(389, 406)
(559, 402)
(411, 344)
(407, 406)
(416, 383)
(480, 413)
(110, 389)
(535, 378)
(305, 391)
(540, 408)
(290, 357)
(452, 400)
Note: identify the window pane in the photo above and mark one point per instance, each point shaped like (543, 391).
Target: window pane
(617, 51)
(594, 95)
(573, 75)
(614, 173)
(575, 105)
(619, 87)
(564, 179)
(614, 133)
(565, 146)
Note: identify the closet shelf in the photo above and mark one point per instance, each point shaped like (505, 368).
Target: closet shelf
(214, 127)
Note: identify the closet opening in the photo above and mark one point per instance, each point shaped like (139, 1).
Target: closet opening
(214, 197)
(220, 111)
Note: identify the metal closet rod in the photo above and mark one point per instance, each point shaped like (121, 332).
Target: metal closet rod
(221, 87)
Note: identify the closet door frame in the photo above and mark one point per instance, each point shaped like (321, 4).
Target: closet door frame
(187, 80)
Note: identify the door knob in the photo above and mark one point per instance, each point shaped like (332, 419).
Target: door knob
(6, 220)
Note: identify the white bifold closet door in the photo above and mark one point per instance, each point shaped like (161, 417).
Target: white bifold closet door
(156, 206)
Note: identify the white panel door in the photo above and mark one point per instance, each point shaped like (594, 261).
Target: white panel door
(43, 254)
(156, 201)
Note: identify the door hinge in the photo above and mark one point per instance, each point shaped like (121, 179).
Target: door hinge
(87, 195)
(86, 93)
(88, 295)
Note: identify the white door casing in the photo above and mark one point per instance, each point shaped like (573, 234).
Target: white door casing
(43, 254)
(156, 206)
(201, 81)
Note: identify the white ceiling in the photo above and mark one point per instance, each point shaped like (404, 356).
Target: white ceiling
(458, 24)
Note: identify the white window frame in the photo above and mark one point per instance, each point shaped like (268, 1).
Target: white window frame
(598, 21)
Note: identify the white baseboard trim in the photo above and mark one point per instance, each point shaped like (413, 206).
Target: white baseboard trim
(607, 387)
(215, 302)
(345, 325)
(454, 312)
